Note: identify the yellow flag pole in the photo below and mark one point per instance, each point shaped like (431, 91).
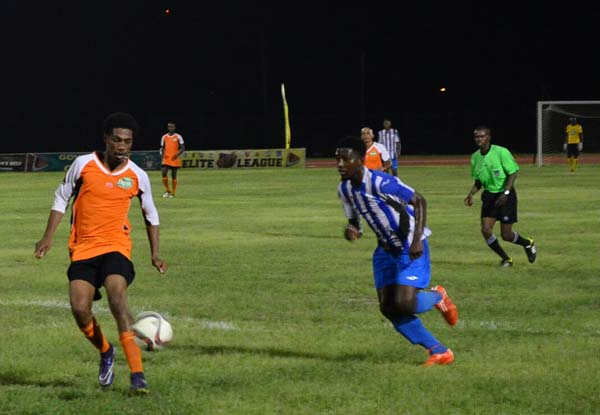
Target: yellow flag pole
(286, 117)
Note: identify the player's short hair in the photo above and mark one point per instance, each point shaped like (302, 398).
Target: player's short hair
(120, 120)
(355, 143)
(483, 128)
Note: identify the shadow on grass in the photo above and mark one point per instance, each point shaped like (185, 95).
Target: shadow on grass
(273, 352)
(21, 379)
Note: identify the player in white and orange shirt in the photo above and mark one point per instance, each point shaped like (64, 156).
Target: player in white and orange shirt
(102, 186)
(377, 157)
(171, 148)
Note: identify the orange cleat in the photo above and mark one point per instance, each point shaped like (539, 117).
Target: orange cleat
(446, 306)
(440, 359)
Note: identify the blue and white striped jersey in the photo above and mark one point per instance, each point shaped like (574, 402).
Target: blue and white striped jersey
(372, 203)
(389, 138)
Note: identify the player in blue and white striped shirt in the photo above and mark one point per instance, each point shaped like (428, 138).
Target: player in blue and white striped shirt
(390, 138)
(401, 266)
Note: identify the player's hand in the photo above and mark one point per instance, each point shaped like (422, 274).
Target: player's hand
(41, 247)
(501, 201)
(469, 200)
(351, 233)
(580, 146)
(160, 265)
(416, 249)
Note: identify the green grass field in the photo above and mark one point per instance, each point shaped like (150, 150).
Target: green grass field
(275, 313)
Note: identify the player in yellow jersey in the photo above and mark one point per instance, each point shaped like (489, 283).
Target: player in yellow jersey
(102, 185)
(573, 142)
(171, 148)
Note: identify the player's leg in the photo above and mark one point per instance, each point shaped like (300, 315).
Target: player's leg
(82, 276)
(395, 166)
(489, 214)
(174, 179)
(163, 170)
(508, 215)
(120, 273)
(399, 281)
(575, 157)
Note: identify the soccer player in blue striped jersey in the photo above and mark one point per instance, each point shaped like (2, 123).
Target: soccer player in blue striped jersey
(397, 215)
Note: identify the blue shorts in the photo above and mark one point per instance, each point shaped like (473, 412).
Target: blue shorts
(399, 269)
(394, 163)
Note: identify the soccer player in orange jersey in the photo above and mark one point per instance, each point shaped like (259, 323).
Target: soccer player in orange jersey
(171, 148)
(377, 157)
(102, 185)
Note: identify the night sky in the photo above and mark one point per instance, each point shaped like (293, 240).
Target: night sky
(215, 68)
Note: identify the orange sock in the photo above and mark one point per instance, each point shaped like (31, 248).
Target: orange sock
(174, 186)
(132, 351)
(93, 333)
(165, 181)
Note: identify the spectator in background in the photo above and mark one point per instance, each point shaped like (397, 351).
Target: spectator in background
(390, 138)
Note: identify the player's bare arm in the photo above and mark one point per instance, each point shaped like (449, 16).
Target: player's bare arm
(153, 233)
(420, 213)
(43, 245)
(474, 189)
(353, 230)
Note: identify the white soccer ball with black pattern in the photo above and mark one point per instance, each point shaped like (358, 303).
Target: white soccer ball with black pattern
(152, 331)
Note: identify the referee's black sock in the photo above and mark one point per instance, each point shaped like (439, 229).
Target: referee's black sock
(495, 246)
(519, 240)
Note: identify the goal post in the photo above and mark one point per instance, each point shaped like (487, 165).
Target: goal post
(553, 117)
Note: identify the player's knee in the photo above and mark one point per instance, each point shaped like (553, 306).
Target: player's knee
(81, 312)
(508, 236)
(394, 309)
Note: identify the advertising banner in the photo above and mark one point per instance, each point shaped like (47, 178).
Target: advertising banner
(226, 159)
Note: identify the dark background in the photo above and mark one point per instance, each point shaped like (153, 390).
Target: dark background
(216, 70)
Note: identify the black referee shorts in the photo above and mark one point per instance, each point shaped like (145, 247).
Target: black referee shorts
(504, 214)
(95, 270)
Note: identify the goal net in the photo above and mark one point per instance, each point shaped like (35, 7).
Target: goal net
(552, 119)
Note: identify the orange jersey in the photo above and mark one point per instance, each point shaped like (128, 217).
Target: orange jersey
(375, 156)
(101, 201)
(170, 145)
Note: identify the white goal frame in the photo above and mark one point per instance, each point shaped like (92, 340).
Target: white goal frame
(540, 135)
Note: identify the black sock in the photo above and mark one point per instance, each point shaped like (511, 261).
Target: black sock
(495, 246)
(519, 240)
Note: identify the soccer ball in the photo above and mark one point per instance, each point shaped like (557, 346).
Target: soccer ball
(152, 331)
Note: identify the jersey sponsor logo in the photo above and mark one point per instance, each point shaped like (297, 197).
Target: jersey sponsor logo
(412, 278)
(125, 183)
(497, 173)
(373, 153)
(505, 218)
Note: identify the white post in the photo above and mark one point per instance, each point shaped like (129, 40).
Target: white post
(540, 161)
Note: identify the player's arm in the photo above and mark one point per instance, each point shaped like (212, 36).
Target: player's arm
(580, 145)
(353, 230)
(398, 149)
(474, 189)
(43, 245)
(153, 232)
(62, 195)
(161, 151)
(420, 213)
(152, 222)
(181, 150)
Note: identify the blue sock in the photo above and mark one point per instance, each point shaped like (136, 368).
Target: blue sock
(416, 333)
(426, 300)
